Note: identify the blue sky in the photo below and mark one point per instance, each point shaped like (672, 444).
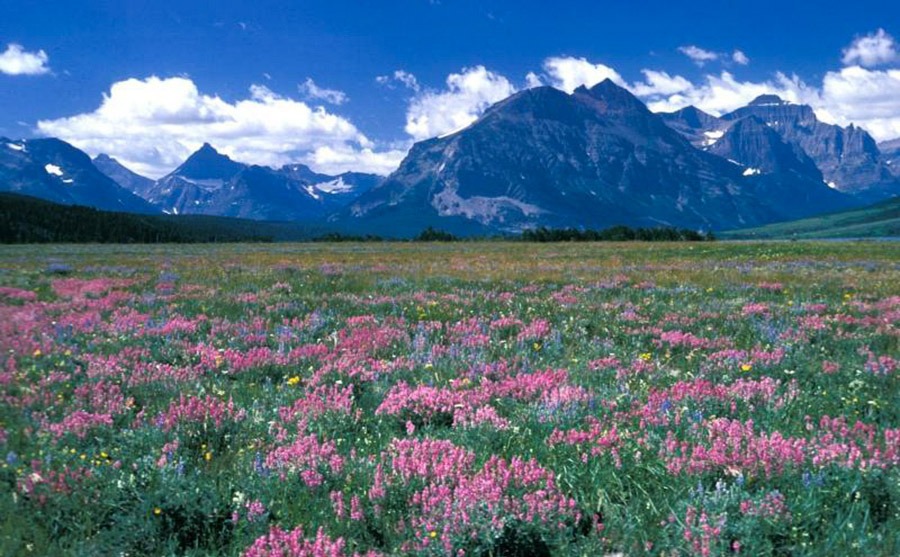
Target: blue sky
(341, 85)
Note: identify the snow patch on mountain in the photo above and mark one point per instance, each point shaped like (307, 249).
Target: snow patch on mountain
(311, 190)
(212, 184)
(53, 170)
(713, 136)
(334, 186)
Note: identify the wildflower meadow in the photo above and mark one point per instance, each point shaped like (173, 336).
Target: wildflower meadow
(465, 399)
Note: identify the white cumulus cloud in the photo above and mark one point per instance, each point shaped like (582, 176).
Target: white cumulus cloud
(533, 80)
(658, 84)
(403, 77)
(568, 73)
(738, 57)
(153, 124)
(875, 49)
(338, 159)
(15, 60)
(311, 91)
(468, 94)
(698, 55)
(867, 98)
(720, 93)
(864, 97)
(407, 79)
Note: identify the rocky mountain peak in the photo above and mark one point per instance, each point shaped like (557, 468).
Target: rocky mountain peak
(768, 100)
(752, 143)
(693, 116)
(208, 164)
(848, 157)
(123, 176)
(610, 98)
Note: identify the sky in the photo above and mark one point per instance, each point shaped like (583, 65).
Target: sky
(351, 85)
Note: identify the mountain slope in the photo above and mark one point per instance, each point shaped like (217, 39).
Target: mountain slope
(210, 183)
(333, 191)
(54, 170)
(848, 157)
(700, 128)
(873, 221)
(759, 147)
(786, 176)
(890, 151)
(595, 158)
(129, 180)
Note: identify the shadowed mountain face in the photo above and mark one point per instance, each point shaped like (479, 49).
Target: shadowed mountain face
(210, 183)
(761, 149)
(595, 158)
(700, 128)
(129, 180)
(54, 170)
(848, 158)
(786, 176)
(890, 151)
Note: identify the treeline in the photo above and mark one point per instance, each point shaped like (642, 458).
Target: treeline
(29, 220)
(543, 234)
(338, 237)
(430, 234)
(616, 234)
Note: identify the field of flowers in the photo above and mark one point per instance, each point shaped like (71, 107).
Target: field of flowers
(459, 399)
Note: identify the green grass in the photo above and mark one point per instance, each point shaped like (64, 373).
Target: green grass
(874, 221)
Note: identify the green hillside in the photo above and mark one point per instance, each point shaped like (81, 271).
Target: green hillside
(873, 221)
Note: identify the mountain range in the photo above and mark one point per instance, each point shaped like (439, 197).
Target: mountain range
(848, 158)
(210, 183)
(596, 158)
(54, 170)
(592, 159)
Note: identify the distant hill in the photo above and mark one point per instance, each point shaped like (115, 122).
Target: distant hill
(25, 219)
(879, 220)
